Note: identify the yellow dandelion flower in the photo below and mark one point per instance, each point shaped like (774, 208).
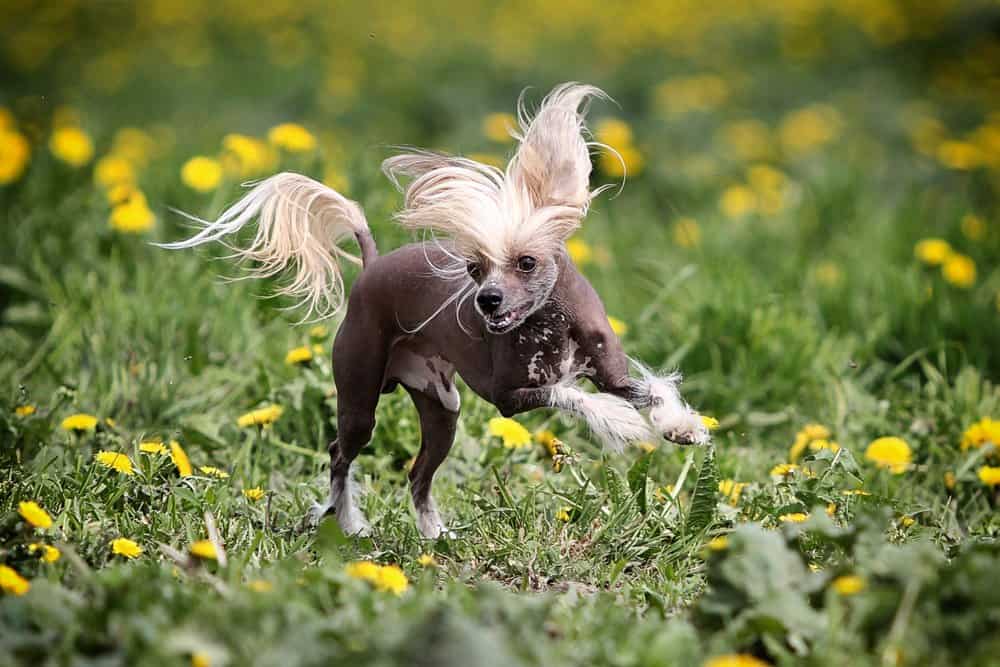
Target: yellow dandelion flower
(212, 471)
(260, 417)
(134, 144)
(623, 161)
(122, 546)
(49, 553)
(497, 127)
(906, 521)
(720, 543)
(204, 549)
(784, 470)
(731, 489)
(562, 514)
(33, 513)
(738, 201)
(15, 154)
(154, 447)
(79, 423)
(254, 494)
(299, 356)
(973, 227)
(959, 155)
(949, 480)
(613, 132)
(24, 410)
(804, 130)
(113, 170)
(711, 423)
(793, 517)
(983, 432)
(132, 216)
(115, 461)
(427, 560)
(831, 509)
(618, 326)
(514, 435)
(647, 447)
(735, 660)
(13, 583)
(246, 156)
(199, 659)
(72, 146)
(202, 173)
(260, 586)
(989, 475)
(292, 137)
(579, 251)
(891, 453)
(749, 139)
(933, 252)
(687, 233)
(850, 584)
(828, 273)
(180, 459)
(123, 193)
(392, 580)
(959, 270)
(362, 569)
(319, 331)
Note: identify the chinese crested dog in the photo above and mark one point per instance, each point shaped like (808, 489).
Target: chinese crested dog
(493, 297)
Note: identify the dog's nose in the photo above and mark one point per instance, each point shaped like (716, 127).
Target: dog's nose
(489, 299)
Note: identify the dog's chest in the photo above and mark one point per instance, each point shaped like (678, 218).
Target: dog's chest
(547, 353)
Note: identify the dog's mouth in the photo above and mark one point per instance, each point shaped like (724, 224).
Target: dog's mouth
(499, 323)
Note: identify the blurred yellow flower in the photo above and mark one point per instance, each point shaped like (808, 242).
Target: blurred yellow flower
(292, 137)
(49, 553)
(260, 586)
(13, 583)
(809, 128)
(989, 475)
(246, 156)
(959, 270)
(299, 355)
(562, 514)
(959, 155)
(319, 331)
(785, 470)
(335, 179)
(33, 513)
(735, 660)
(686, 94)
(202, 173)
(79, 423)
(732, 490)
(828, 273)
(720, 543)
(123, 546)
(711, 423)
(749, 139)
(614, 132)
(973, 227)
(113, 170)
(687, 233)
(427, 560)
(180, 459)
(212, 471)
(387, 578)
(949, 480)
(71, 145)
(579, 251)
(497, 127)
(132, 216)
(984, 431)
(24, 410)
(153, 447)
(891, 453)
(906, 521)
(514, 435)
(7, 120)
(133, 144)
(260, 417)
(738, 201)
(623, 161)
(115, 461)
(15, 154)
(121, 193)
(254, 494)
(794, 517)
(850, 584)
(204, 549)
(618, 326)
(932, 252)
(199, 659)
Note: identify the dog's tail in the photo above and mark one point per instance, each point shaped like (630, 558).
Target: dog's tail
(300, 224)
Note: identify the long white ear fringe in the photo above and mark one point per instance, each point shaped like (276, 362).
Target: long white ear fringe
(613, 420)
(300, 223)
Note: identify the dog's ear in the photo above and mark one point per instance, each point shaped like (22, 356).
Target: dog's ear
(552, 163)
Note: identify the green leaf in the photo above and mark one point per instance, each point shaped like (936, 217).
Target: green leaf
(637, 481)
(702, 510)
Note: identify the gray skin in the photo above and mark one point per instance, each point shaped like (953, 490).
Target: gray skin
(509, 361)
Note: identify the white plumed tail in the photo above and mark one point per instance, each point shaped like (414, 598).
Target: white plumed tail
(300, 224)
(613, 420)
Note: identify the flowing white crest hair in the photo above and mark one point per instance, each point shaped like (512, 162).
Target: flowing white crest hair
(300, 224)
(536, 203)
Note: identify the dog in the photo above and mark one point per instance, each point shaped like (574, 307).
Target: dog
(492, 296)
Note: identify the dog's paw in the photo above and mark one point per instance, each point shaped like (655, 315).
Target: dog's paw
(687, 430)
(317, 512)
(431, 526)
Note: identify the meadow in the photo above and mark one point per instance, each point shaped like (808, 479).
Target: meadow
(807, 226)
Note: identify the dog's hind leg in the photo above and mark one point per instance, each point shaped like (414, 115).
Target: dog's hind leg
(358, 367)
(437, 433)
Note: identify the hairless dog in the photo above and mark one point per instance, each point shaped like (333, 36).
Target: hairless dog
(494, 298)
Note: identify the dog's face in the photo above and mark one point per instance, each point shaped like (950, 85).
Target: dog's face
(509, 292)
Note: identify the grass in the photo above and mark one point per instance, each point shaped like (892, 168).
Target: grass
(808, 306)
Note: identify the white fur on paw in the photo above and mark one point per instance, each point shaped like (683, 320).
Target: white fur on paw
(316, 513)
(686, 429)
(431, 526)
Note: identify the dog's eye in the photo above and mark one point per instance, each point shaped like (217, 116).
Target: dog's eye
(473, 269)
(526, 264)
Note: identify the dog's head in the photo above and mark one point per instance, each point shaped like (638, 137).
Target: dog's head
(508, 227)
